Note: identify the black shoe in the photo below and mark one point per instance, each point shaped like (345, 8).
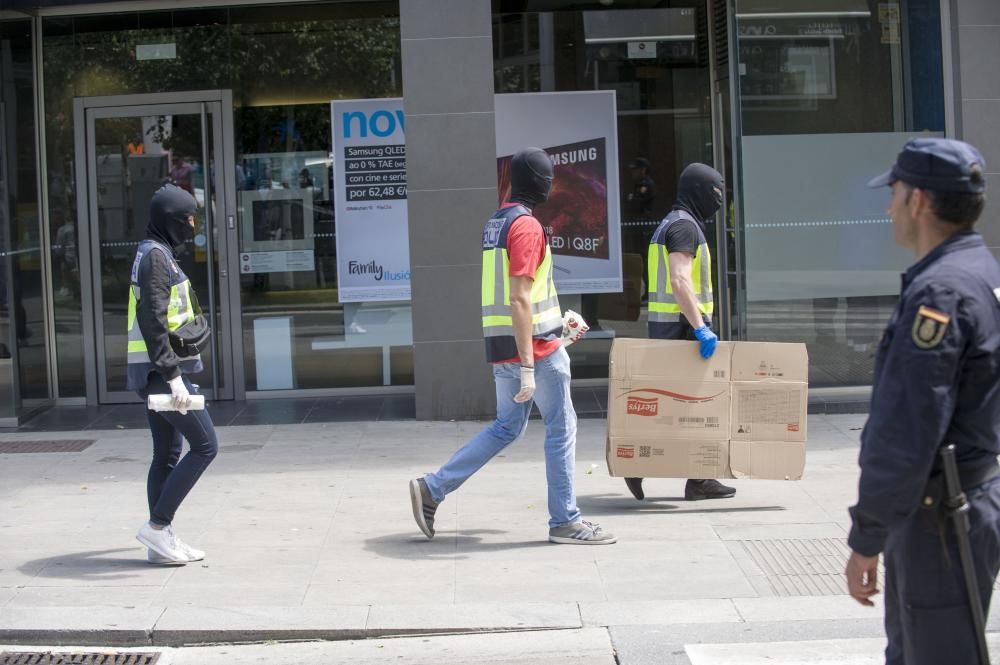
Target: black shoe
(635, 487)
(696, 490)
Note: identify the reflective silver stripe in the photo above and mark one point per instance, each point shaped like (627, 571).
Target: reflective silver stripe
(498, 331)
(663, 271)
(536, 308)
(548, 303)
(499, 276)
(704, 257)
(135, 357)
(552, 321)
(496, 310)
(539, 328)
(664, 317)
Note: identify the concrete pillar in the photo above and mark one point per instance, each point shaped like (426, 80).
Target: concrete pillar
(447, 50)
(976, 29)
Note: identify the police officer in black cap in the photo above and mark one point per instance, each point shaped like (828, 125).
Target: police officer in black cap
(936, 383)
(643, 188)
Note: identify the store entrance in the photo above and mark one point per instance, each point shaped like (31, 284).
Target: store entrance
(126, 148)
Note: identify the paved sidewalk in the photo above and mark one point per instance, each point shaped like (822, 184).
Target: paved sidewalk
(309, 534)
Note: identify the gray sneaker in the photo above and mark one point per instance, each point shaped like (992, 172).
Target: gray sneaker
(581, 533)
(424, 506)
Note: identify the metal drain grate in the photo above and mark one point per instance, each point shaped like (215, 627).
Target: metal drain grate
(51, 446)
(77, 658)
(808, 567)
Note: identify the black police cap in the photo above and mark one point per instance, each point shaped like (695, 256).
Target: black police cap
(936, 164)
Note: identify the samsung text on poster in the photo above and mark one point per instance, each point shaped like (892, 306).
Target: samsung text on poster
(575, 217)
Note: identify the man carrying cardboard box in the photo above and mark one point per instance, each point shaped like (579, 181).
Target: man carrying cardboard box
(680, 287)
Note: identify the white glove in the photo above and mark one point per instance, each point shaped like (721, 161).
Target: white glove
(574, 327)
(527, 385)
(179, 393)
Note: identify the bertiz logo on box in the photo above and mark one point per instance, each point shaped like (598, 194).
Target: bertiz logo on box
(626, 453)
(639, 406)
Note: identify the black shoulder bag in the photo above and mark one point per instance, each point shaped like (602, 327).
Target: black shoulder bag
(192, 337)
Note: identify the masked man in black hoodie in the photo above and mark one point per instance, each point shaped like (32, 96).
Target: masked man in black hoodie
(680, 286)
(522, 327)
(161, 301)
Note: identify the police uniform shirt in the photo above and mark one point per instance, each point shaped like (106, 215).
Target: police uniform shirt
(643, 194)
(935, 382)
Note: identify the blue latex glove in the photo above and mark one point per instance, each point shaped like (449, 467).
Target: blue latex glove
(708, 341)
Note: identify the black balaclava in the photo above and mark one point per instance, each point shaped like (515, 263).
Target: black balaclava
(699, 191)
(168, 214)
(530, 177)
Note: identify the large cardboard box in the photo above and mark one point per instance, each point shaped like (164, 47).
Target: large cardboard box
(656, 457)
(774, 460)
(770, 391)
(740, 414)
(657, 390)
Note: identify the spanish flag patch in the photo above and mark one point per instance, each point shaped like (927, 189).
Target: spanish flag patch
(929, 327)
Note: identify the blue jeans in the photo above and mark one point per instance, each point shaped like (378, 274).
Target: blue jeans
(171, 477)
(552, 396)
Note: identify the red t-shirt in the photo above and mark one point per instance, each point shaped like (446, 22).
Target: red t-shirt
(526, 249)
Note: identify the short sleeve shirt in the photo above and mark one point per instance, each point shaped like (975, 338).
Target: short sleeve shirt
(683, 236)
(526, 248)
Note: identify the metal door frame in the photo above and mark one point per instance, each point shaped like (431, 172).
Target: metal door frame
(7, 256)
(228, 340)
(726, 124)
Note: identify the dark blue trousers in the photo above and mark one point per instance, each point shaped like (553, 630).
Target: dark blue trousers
(171, 477)
(927, 617)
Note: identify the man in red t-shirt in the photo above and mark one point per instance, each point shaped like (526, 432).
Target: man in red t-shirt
(522, 326)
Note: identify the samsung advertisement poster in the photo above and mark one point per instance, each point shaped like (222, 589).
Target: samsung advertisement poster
(581, 217)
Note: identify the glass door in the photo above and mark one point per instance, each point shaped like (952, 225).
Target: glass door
(131, 151)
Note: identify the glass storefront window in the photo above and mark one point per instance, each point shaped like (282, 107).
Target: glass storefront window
(827, 98)
(296, 333)
(24, 380)
(283, 65)
(664, 122)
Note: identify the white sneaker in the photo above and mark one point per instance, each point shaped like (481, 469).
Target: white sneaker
(162, 542)
(191, 553)
(157, 560)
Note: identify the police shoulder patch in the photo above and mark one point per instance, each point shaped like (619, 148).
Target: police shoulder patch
(929, 327)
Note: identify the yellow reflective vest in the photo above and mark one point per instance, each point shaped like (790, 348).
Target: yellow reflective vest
(180, 310)
(663, 305)
(498, 320)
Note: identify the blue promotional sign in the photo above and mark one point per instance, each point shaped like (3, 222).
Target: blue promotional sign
(369, 157)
